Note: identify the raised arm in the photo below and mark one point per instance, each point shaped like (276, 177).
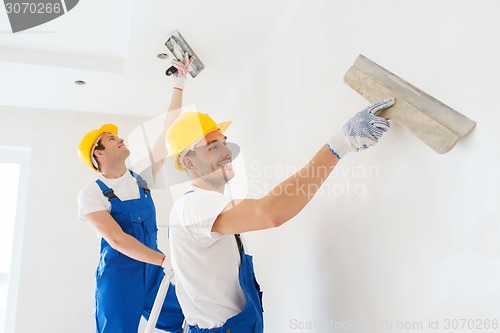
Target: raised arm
(174, 110)
(289, 197)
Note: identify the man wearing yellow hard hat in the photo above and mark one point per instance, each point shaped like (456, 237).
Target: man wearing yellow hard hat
(215, 280)
(118, 205)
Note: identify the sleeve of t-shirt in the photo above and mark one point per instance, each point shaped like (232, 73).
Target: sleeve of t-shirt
(90, 200)
(202, 209)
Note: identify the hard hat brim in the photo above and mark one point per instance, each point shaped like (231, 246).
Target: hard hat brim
(223, 126)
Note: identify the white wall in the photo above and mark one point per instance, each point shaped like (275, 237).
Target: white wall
(418, 241)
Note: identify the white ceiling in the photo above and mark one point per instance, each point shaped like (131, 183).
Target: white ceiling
(113, 46)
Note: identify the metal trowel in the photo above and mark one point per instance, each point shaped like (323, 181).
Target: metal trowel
(178, 46)
(433, 122)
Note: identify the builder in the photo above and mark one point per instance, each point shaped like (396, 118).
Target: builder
(118, 205)
(215, 281)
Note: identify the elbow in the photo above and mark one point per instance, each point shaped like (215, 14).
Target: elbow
(116, 242)
(274, 219)
(276, 222)
(272, 216)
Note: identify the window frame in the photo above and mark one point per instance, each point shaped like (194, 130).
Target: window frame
(21, 155)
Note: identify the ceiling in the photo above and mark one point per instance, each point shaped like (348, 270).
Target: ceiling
(113, 45)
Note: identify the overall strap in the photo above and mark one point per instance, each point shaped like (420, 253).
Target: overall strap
(239, 243)
(141, 182)
(106, 191)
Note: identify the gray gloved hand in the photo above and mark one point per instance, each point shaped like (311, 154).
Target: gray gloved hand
(362, 131)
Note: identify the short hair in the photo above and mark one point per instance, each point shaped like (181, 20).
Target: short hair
(99, 146)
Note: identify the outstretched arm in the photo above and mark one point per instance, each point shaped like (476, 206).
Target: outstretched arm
(288, 198)
(283, 202)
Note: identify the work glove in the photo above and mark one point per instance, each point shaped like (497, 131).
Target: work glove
(182, 70)
(361, 131)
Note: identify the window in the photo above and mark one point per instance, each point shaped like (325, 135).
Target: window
(13, 180)
(9, 178)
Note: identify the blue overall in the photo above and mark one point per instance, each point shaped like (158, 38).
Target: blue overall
(250, 319)
(126, 288)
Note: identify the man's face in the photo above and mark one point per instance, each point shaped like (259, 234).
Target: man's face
(114, 147)
(212, 159)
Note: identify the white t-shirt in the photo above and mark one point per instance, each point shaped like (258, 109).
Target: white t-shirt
(206, 263)
(91, 199)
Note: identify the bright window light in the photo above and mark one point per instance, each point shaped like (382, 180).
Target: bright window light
(9, 180)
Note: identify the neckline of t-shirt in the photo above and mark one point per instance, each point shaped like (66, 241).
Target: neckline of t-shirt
(114, 180)
(193, 188)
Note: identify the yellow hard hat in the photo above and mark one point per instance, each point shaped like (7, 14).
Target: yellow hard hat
(188, 130)
(87, 145)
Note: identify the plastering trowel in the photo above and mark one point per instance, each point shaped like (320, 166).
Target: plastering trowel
(433, 122)
(178, 46)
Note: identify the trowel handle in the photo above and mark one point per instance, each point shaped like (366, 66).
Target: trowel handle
(378, 109)
(171, 70)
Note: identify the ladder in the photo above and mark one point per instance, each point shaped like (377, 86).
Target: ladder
(160, 298)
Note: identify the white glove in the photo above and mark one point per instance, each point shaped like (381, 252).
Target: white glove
(361, 131)
(182, 70)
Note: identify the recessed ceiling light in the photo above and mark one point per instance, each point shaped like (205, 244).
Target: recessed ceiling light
(80, 82)
(162, 55)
